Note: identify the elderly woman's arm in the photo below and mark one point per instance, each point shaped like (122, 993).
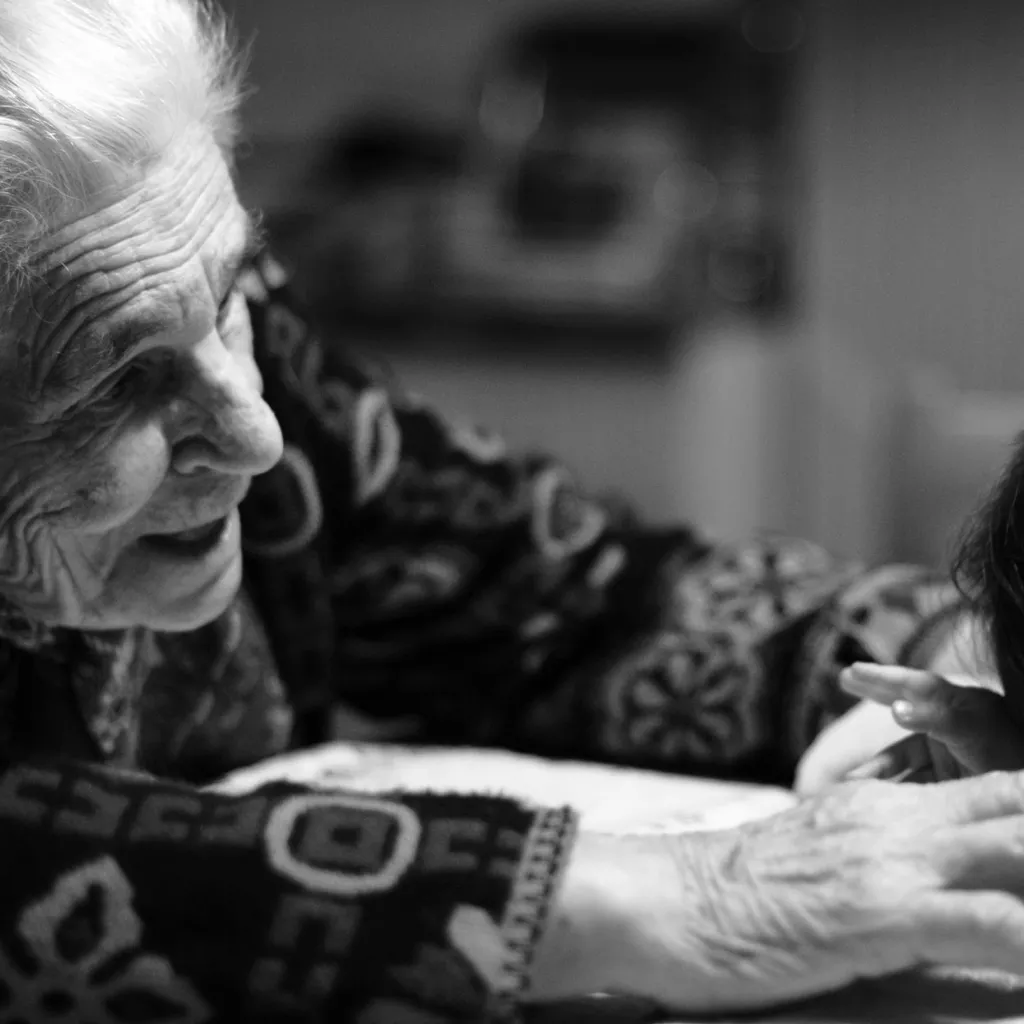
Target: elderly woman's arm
(457, 593)
(129, 898)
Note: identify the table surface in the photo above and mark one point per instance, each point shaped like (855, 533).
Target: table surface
(617, 799)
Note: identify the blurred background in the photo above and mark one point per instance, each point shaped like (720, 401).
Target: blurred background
(756, 264)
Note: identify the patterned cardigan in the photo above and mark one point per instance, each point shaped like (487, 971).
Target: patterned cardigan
(408, 578)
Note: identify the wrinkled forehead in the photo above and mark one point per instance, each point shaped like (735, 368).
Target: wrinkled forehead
(173, 200)
(121, 265)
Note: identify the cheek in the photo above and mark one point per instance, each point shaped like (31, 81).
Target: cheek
(104, 485)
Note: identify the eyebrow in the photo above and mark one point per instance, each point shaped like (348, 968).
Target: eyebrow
(125, 338)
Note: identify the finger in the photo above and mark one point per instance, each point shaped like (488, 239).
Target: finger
(985, 855)
(964, 929)
(885, 684)
(972, 722)
(909, 758)
(997, 794)
(946, 765)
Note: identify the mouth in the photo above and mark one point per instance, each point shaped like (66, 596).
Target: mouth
(190, 543)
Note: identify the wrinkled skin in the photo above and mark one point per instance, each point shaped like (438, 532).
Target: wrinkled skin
(130, 405)
(867, 879)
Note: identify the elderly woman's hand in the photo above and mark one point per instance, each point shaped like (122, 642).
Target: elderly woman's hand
(867, 879)
(957, 730)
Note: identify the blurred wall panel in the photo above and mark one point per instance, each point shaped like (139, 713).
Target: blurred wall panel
(690, 433)
(912, 254)
(917, 150)
(612, 423)
(316, 60)
(915, 243)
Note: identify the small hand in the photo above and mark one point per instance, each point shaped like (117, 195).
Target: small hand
(958, 730)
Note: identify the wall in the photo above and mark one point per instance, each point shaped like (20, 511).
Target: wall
(314, 60)
(916, 229)
(918, 154)
(683, 433)
(913, 249)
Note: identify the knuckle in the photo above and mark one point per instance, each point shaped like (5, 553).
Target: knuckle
(994, 914)
(840, 807)
(863, 799)
(1009, 785)
(889, 873)
(1012, 843)
(872, 813)
(847, 675)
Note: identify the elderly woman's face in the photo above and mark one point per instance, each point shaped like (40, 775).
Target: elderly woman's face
(131, 417)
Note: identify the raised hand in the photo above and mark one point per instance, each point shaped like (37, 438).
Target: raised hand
(958, 730)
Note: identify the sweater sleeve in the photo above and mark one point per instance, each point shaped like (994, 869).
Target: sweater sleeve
(455, 591)
(133, 899)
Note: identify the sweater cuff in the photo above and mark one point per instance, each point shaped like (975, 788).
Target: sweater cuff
(546, 850)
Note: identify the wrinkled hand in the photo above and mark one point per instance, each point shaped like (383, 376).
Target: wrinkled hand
(958, 730)
(866, 879)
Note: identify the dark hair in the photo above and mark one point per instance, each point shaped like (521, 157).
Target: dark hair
(988, 569)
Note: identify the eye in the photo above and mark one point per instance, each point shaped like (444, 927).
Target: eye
(133, 385)
(121, 388)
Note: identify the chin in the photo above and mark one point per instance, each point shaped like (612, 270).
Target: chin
(198, 610)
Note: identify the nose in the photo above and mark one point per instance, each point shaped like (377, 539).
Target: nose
(224, 424)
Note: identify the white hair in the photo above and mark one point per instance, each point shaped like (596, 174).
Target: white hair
(93, 92)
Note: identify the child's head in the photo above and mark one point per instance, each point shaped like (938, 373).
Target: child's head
(989, 570)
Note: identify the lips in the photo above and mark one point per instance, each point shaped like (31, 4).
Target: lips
(196, 534)
(195, 541)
